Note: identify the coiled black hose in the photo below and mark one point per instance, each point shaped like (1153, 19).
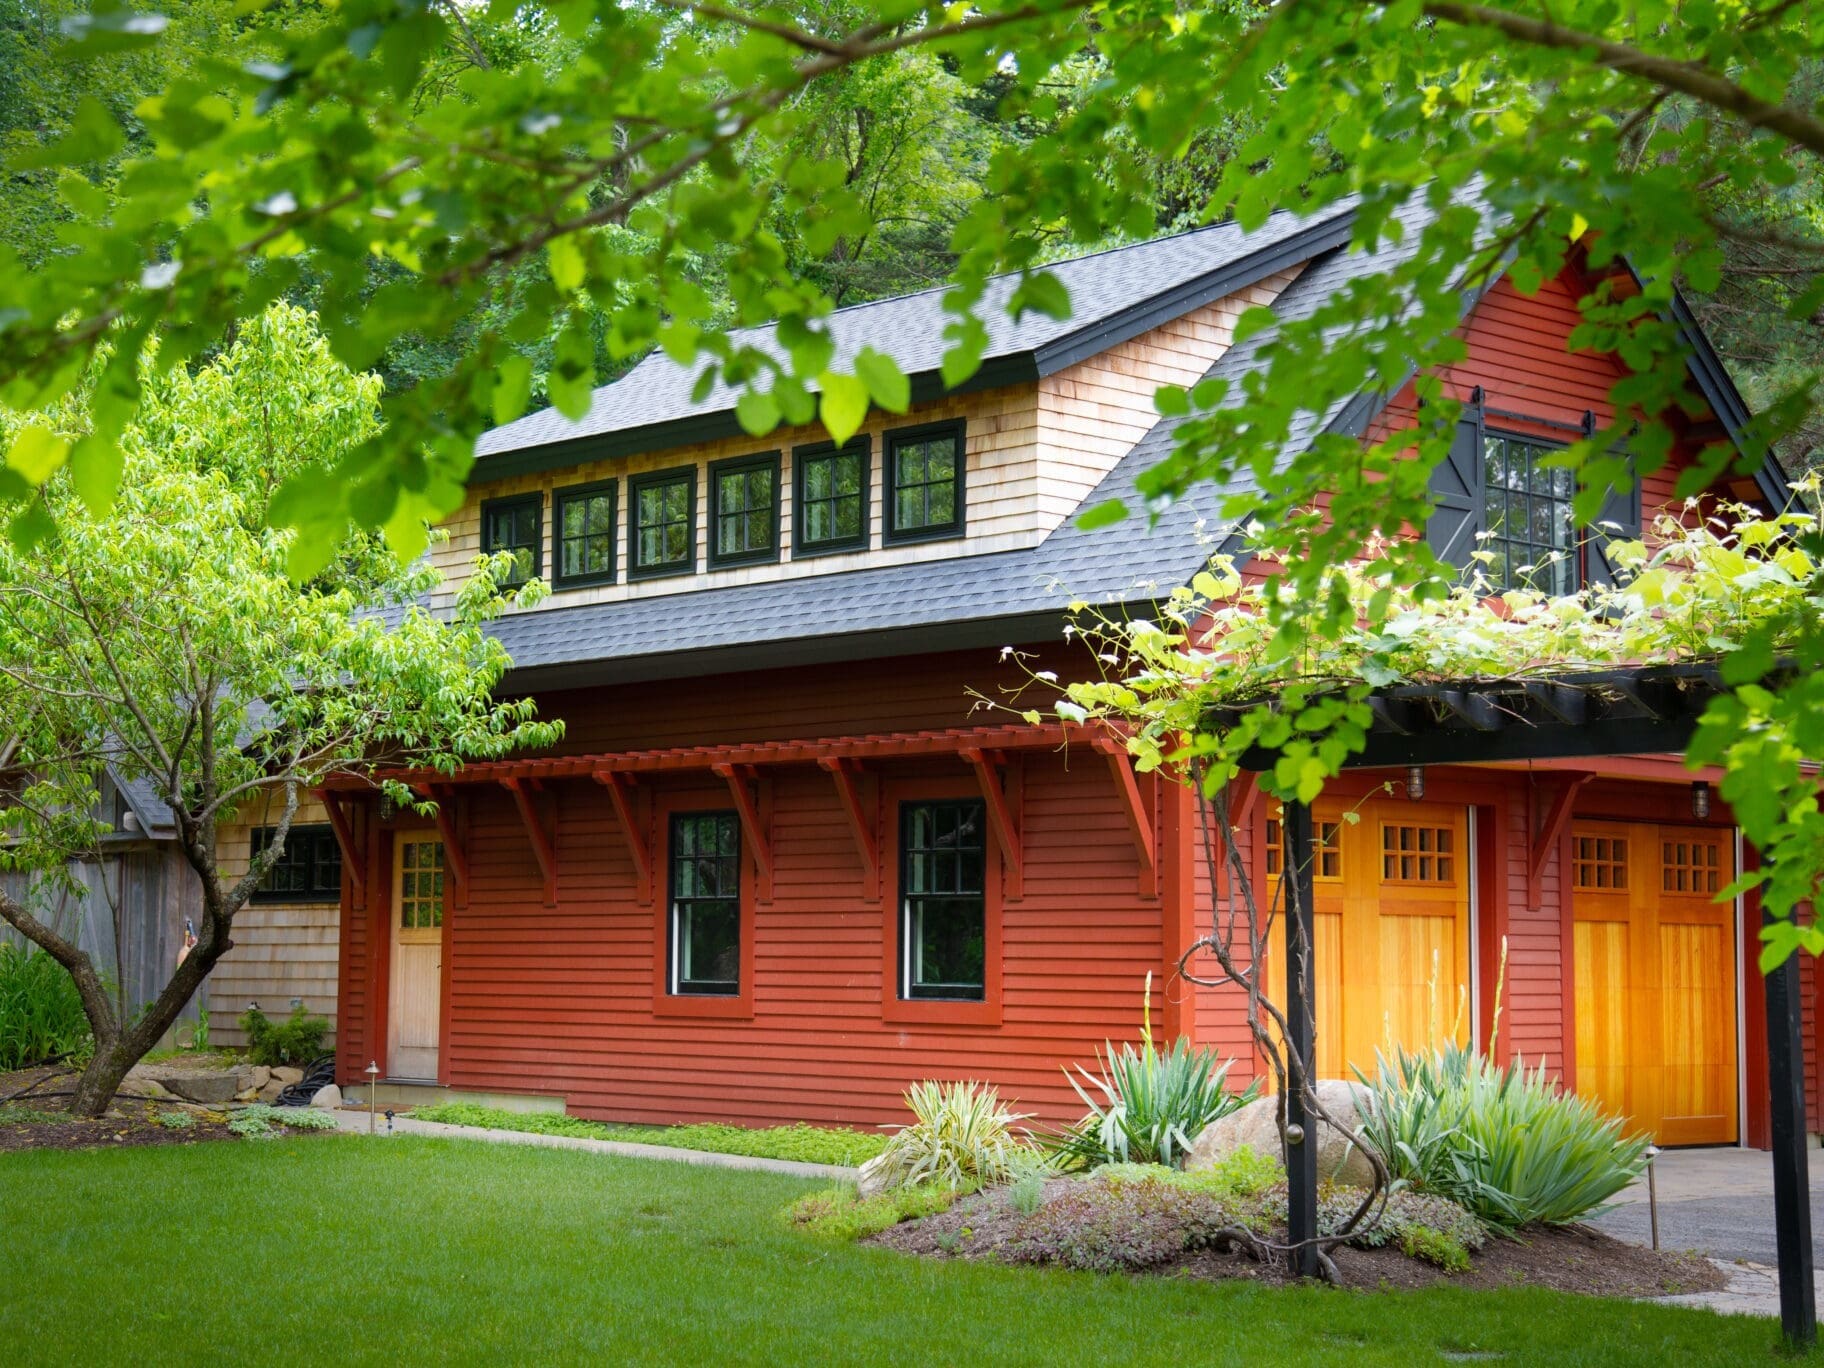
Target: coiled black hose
(320, 1074)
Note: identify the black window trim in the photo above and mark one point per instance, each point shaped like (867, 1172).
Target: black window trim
(760, 460)
(892, 535)
(802, 547)
(907, 991)
(560, 497)
(674, 984)
(317, 832)
(1485, 534)
(534, 500)
(646, 480)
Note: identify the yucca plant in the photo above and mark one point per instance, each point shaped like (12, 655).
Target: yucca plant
(1153, 1102)
(962, 1137)
(1506, 1142)
(41, 1014)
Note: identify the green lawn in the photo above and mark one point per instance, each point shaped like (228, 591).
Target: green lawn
(409, 1249)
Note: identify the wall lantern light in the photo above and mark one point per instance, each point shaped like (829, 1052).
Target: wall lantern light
(1415, 782)
(1700, 799)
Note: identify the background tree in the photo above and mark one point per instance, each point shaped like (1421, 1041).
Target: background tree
(164, 638)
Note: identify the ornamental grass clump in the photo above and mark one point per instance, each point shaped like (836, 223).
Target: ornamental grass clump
(962, 1139)
(1506, 1143)
(1153, 1102)
(41, 1018)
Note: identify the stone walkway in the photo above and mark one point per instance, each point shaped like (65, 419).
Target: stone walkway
(356, 1122)
(1719, 1202)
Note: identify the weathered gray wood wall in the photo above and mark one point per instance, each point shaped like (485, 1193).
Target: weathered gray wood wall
(128, 914)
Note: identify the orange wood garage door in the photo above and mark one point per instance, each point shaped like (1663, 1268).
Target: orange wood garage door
(1655, 966)
(1391, 953)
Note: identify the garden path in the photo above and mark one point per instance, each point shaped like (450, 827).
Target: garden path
(358, 1121)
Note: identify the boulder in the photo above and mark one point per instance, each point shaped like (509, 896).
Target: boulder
(873, 1179)
(1339, 1159)
(328, 1098)
(247, 1095)
(261, 1077)
(287, 1075)
(200, 1087)
(270, 1093)
(148, 1088)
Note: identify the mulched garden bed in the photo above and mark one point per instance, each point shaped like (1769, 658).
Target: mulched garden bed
(1565, 1259)
(36, 1118)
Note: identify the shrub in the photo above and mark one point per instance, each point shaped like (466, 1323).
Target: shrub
(839, 1213)
(1153, 1103)
(1434, 1247)
(296, 1040)
(962, 1139)
(1504, 1142)
(1404, 1211)
(177, 1120)
(259, 1121)
(40, 1011)
(1118, 1227)
(1240, 1174)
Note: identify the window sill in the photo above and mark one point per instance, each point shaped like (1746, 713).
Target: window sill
(737, 1006)
(939, 1011)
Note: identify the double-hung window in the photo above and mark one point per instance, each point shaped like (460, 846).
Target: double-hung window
(832, 498)
(942, 900)
(705, 896)
(584, 517)
(744, 510)
(1527, 525)
(662, 523)
(515, 525)
(308, 870)
(925, 470)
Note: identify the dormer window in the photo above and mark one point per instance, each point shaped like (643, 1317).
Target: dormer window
(924, 494)
(584, 516)
(744, 510)
(662, 523)
(832, 498)
(515, 525)
(1527, 518)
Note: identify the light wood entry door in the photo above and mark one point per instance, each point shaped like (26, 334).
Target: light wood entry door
(415, 1002)
(1391, 961)
(1655, 963)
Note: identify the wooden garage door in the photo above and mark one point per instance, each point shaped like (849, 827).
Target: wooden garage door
(1654, 959)
(1391, 953)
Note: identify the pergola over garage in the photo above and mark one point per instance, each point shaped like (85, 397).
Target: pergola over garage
(1618, 712)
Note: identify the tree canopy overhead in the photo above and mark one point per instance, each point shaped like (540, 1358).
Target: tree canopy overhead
(563, 179)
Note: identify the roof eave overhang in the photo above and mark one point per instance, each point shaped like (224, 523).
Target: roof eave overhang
(1021, 629)
(1012, 368)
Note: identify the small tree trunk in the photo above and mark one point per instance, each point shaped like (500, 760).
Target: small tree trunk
(101, 1080)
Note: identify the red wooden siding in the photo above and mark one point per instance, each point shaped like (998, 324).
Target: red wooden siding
(561, 999)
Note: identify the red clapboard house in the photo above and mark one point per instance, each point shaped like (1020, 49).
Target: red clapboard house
(782, 866)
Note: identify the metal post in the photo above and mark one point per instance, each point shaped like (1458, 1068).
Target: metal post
(1301, 1017)
(1791, 1181)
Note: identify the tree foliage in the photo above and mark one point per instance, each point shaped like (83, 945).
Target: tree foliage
(557, 218)
(157, 635)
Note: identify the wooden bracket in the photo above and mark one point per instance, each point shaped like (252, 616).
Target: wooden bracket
(739, 778)
(1003, 812)
(847, 773)
(544, 846)
(1546, 838)
(1244, 791)
(455, 857)
(621, 793)
(354, 859)
(1139, 820)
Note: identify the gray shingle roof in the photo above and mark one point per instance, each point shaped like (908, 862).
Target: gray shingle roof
(962, 601)
(1109, 294)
